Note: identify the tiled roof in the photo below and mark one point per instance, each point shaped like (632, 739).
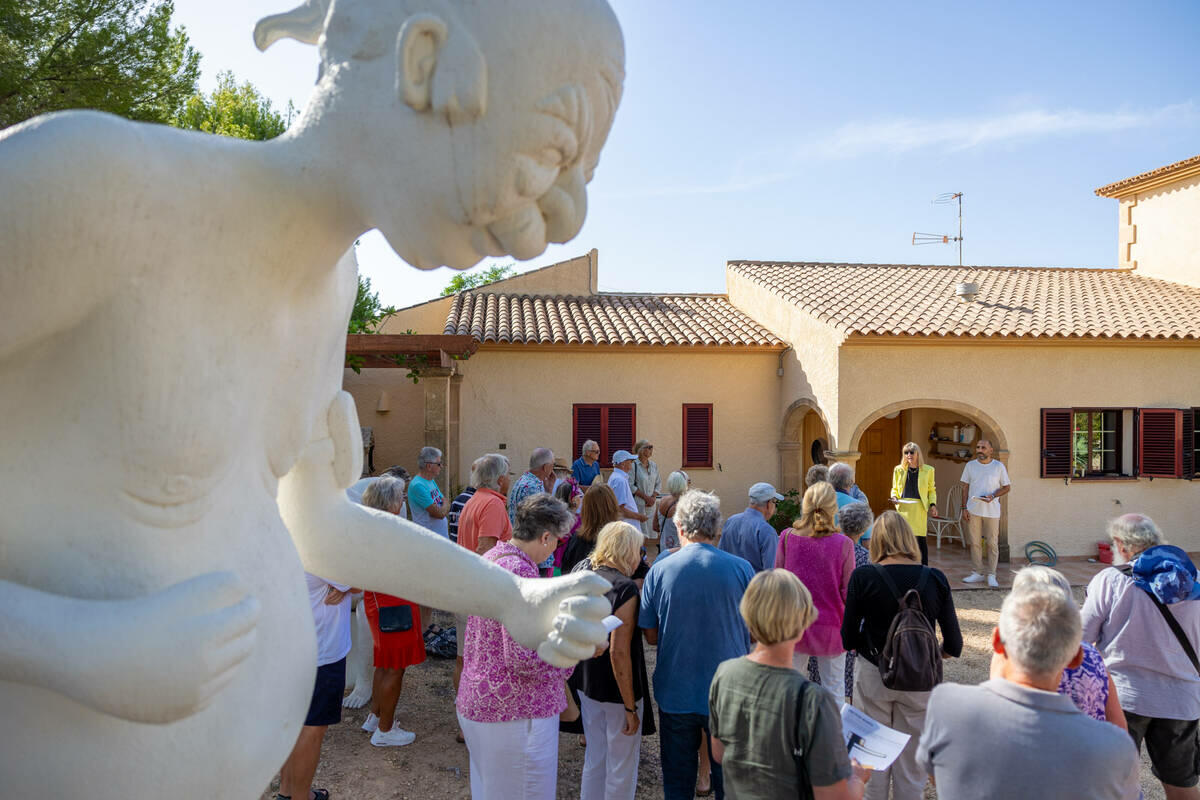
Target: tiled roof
(1169, 172)
(911, 300)
(605, 319)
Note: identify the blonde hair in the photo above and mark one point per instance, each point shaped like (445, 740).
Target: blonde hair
(891, 536)
(616, 546)
(920, 454)
(777, 607)
(818, 510)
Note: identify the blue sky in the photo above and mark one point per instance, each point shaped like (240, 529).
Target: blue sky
(810, 131)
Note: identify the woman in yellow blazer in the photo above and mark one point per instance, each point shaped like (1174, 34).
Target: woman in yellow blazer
(912, 480)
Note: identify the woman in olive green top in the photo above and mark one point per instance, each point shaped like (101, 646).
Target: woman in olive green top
(754, 701)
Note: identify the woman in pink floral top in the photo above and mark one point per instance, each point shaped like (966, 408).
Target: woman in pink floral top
(509, 700)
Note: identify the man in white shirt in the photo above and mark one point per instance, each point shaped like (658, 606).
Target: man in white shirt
(331, 613)
(619, 483)
(984, 481)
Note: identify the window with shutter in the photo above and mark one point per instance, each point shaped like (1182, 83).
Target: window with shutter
(612, 426)
(1160, 442)
(1057, 457)
(697, 435)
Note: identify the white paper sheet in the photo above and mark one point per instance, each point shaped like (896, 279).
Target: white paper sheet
(611, 622)
(874, 745)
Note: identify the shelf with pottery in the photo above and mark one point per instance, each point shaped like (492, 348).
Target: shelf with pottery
(949, 448)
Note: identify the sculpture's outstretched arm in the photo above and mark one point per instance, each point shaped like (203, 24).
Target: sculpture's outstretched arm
(342, 541)
(156, 658)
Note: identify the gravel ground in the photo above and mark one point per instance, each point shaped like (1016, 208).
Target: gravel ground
(435, 766)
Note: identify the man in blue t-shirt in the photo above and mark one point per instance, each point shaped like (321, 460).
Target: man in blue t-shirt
(690, 610)
(587, 467)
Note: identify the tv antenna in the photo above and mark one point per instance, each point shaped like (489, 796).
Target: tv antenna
(939, 238)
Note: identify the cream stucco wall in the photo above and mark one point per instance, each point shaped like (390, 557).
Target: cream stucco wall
(523, 397)
(811, 368)
(1159, 231)
(1009, 384)
(400, 432)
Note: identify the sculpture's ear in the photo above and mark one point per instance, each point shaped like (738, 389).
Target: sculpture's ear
(440, 69)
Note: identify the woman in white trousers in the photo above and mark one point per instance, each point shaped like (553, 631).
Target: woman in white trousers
(613, 688)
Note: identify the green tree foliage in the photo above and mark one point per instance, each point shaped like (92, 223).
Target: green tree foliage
(473, 280)
(232, 110)
(368, 314)
(120, 56)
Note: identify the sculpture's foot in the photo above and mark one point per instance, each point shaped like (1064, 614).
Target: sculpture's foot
(357, 699)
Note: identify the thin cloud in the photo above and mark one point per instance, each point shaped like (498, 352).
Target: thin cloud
(904, 135)
(954, 134)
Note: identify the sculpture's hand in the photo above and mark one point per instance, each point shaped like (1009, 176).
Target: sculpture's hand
(561, 617)
(166, 656)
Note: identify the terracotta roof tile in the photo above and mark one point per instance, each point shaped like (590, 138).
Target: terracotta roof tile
(1123, 187)
(1038, 302)
(605, 319)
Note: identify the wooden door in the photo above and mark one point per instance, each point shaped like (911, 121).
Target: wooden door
(880, 447)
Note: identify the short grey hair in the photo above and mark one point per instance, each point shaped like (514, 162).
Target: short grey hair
(676, 483)
(1136, 531)
(698, 514)
(842, 477)
(473, 480)
(1039, 624)
(588, 445)
(817, 473)
(855, 518)
(540, 513)
(427, 455)
(540, 457)
(488, 470)
(386, 494)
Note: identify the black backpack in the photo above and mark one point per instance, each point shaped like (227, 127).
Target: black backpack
(911, 659)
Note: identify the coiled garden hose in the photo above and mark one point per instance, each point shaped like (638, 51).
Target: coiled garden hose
(1040, 553)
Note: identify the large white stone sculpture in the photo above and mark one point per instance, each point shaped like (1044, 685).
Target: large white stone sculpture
(174, 443)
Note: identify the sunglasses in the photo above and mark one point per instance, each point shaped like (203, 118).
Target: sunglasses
(910, 452)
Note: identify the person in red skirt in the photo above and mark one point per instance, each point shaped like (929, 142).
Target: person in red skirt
(396, 633)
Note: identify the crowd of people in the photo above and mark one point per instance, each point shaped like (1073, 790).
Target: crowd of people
(761, 635)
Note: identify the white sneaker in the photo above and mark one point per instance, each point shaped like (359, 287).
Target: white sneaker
(372, 723)
(992, 582)
(396, 737)
(974, 577)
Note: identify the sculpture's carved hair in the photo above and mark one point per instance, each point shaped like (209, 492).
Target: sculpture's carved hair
(362, 30)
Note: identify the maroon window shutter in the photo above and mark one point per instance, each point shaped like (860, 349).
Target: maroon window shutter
(1056, 442)
(1188, 457)
(620, 427)
(588, 425)
(697, 435)
(1160, 442)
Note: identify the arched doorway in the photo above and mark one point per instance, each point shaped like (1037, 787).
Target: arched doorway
(946, 431)
(804, 440)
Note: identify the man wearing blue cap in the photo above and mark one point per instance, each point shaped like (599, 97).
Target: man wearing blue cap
(618, 481)
(748, 534)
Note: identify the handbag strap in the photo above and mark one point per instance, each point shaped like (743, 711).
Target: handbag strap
(799, 751)
(1177, 629)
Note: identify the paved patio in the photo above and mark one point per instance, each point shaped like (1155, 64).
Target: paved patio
(954, 560)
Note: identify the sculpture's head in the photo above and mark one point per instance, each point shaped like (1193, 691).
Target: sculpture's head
(502, 107)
